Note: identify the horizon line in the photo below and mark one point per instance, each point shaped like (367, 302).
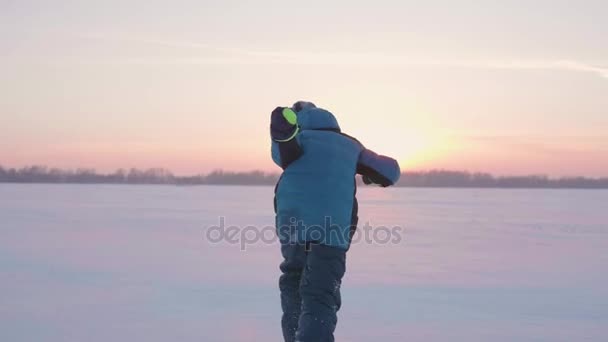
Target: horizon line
(214, 171)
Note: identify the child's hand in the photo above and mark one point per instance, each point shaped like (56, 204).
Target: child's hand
(369, 181)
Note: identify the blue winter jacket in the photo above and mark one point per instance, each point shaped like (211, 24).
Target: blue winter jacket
(315, 196)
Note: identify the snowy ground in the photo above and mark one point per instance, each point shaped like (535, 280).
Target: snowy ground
(132, 263)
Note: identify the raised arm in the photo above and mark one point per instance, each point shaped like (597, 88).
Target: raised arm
(283, 131)
(378, 169)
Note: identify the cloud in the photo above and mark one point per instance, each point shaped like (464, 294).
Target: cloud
(235, 56)
(565, 65)
(557, 144)
(577, 66)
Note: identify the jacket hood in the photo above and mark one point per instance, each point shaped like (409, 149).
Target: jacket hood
(317, 118)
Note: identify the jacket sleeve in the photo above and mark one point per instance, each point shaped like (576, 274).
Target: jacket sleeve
(285, 153)
(283, 132)
(377, 168)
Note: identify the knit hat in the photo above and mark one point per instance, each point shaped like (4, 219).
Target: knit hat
(301, 105)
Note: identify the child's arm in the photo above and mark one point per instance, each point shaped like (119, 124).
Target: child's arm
(378, 169)
(283, 131)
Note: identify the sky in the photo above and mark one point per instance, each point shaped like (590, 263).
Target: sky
(508, 87)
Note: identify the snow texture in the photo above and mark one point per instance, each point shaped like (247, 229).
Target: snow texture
(132, 263)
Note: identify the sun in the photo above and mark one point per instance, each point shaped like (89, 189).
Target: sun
(415, 144)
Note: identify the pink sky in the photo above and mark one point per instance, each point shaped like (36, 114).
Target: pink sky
(190, 88)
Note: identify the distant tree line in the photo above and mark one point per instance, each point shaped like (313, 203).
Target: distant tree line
(435, 178)
(42, 174)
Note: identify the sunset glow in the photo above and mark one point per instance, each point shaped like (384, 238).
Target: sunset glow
(190, 87)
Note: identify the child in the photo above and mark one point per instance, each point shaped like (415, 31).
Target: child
(316, 213)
